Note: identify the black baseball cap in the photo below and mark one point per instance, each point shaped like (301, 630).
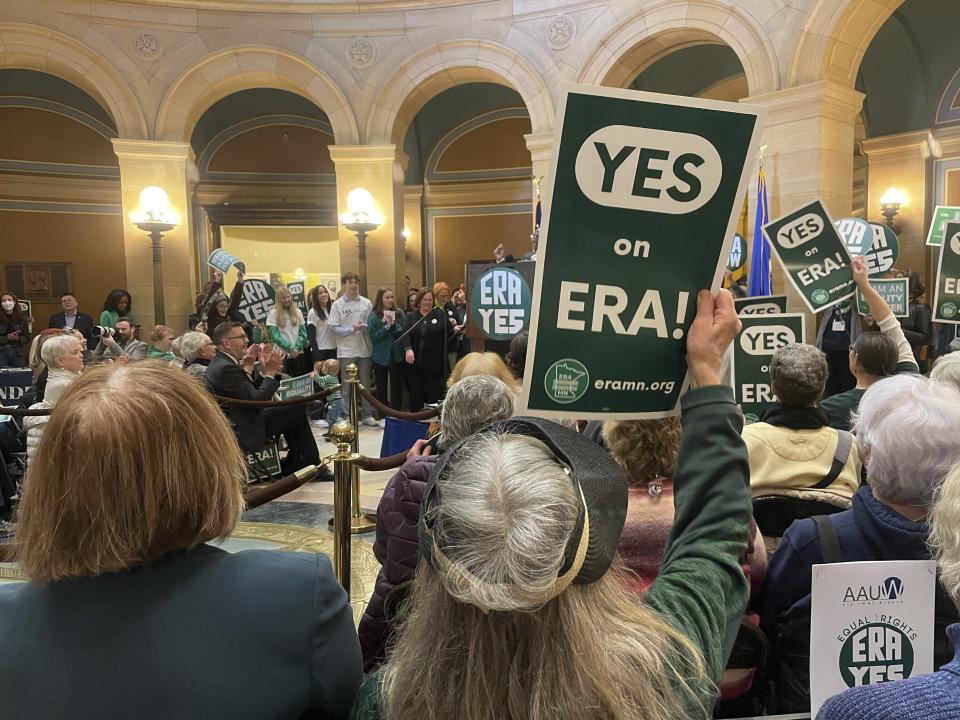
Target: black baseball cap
(599, 481)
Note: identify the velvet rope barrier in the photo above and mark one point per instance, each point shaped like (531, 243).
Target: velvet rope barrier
(24, 412)
(281, 487)
(400, 415)
(387, 463)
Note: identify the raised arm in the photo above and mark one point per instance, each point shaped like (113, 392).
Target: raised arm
(886, 321)
(701, 588)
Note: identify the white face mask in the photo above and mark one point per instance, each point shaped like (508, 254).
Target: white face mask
(8, 305)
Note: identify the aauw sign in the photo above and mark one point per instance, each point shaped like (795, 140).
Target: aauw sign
(500, 299)
(641, 213)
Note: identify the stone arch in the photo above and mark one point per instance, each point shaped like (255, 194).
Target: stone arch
(445, 65)
(234, 69)
(670, 25)
(28, 47)
(835, 38)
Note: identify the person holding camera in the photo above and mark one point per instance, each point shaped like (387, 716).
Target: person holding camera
(118, 342)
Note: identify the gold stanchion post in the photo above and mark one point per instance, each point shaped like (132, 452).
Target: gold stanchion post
(359, 522)
(344, 469)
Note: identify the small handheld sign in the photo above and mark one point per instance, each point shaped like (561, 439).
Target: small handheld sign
(738, 253)
(942, 214)
(896, 292)
(813, 255)
(299, 297)
(946, 299)
(500, 298)
(222, 260)
(295, 387)
(759, 338)
(874, 624)
(761, 305)
(645, 192)
(257, 300)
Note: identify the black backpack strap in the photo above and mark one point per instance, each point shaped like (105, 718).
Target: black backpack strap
(840, 455)
(829, 542)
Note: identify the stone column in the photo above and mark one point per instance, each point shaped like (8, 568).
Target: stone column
(379, 169)
(540, 146)
(167, 165)
(808, 136)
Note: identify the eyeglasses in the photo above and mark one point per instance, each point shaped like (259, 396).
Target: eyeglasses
(236, 337)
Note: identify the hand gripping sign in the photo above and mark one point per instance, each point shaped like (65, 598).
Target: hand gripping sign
(645, 194)
(814, 256)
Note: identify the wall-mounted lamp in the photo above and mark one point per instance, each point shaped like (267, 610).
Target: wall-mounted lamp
(890, 204)
(361, 218)
(154, 217)
(405, 234)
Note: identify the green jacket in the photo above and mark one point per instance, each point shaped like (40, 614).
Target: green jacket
(110, 318)
(701, 589)
(385, 352)
(277, 338)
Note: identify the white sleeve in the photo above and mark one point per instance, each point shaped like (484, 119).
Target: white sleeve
(890, 326)
(272, 318)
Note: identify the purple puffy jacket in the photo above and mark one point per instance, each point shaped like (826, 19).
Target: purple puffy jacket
(397, 550)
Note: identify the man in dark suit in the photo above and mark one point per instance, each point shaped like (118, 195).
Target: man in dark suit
(71, 317)
(231, 374)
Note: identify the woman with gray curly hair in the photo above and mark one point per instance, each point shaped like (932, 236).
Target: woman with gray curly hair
(198, 350)
(793, 450)
(470, 404)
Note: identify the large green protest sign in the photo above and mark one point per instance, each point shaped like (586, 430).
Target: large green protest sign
(761, 305)
(896, 291)
(500, 299)
(942, 214)
(884, 250)
(946, 301)
(856, 234)
(813, 255)
(645, 191)
(759, 338)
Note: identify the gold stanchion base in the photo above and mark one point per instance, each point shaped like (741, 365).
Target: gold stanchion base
(358, 525)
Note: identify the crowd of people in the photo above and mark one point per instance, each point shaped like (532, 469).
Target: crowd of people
(529, 569)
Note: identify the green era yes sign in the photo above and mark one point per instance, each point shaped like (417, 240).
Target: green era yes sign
(500, 302)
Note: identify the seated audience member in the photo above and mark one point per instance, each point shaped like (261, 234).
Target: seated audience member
(471, 404)
(486, 363)
(71, 317)
(874, 355)
(137, 472)
(198, 350)
(232, 374)
(793, 452)
(519, 609)
(63, 356)
(125, 343)
(161, 342)
(925, 697)
(947, 370)
(899, 430)
(517, 355)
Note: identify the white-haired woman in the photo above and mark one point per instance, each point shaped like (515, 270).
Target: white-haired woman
(947, 369)
(900, 431)
(198, 350)
(63, 356)
(925, 697)
(471, 403)
(519, 608)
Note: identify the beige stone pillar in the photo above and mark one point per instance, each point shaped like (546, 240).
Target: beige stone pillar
(412, 214)
(540, 146)
(167, 165)
(808, 134)
(900, 161)
(379, 169)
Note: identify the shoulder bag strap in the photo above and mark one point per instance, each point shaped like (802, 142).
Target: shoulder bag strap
(829, 542)
(840, 455)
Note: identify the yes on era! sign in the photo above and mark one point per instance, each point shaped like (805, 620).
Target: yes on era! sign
(873, 623)
(946, 301)
(814, 256)
(760, 337)
(761, 305)
(645, 193)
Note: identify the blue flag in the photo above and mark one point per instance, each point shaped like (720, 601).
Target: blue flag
(760, 257)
